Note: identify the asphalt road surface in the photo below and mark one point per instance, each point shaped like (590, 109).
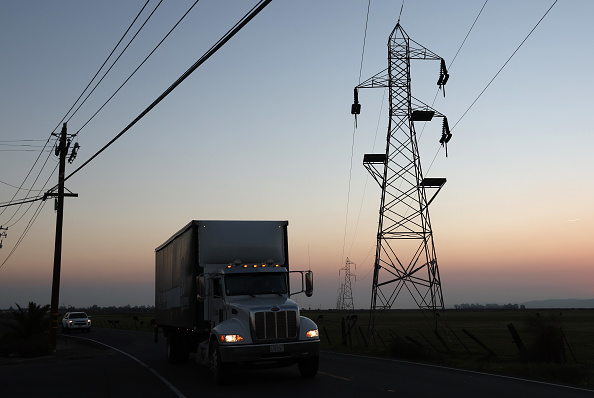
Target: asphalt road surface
(119, 363)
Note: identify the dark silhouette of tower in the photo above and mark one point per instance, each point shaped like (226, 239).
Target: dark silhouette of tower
(345, 293)
(405, 257)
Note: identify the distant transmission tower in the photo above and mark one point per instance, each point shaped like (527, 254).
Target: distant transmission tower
(405, 256)
(345, 293)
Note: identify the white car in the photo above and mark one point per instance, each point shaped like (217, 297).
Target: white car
(76, 320)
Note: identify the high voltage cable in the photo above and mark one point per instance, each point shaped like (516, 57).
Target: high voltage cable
(238, 26)
(353, 141)
(467, 34)
(455, 56)
(364, 39)
(491, 81)
(506, 62)
(139, 66)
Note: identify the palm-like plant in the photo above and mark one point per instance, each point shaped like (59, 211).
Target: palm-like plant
(34, 321)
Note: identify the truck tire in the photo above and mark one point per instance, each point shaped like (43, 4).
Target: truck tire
(171, 348)
(308, 367)
(215, 365)
(176, 350)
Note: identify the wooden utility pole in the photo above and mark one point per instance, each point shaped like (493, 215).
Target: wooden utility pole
(58, 244)
(62, 152)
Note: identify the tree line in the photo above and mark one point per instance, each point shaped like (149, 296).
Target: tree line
(489, 307)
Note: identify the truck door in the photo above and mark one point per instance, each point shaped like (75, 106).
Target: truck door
(216, 307)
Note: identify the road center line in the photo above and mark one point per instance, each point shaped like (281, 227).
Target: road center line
(164, 380)
(336, 377)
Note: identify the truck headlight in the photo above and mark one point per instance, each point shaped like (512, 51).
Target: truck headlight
(312, 333)
(230, 338)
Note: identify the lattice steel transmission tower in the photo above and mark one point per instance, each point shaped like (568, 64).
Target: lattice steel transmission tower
(345, 293)
(405, 256)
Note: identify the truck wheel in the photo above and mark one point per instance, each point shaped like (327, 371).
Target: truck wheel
(171, 349)
(216, 366)
(176, 349)
(308, 367)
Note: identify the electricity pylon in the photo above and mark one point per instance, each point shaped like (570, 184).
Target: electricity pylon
(345, 294)
(405, 257)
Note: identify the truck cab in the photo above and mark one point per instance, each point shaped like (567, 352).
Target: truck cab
(253, 320)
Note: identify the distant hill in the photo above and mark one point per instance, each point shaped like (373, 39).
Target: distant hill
(561, 303)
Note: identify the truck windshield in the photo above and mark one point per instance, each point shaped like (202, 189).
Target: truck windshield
(255, 283)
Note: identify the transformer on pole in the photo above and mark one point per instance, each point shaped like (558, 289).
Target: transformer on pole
(345, 293)
(405, 257)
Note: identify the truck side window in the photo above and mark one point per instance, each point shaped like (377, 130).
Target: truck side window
(216, 288)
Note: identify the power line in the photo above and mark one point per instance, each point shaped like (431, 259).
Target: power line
(27, 176)
(467, 34)
(491, 81)
(63, 118)
(138, 67)
(80, 96)
(25, 189)
(27, 229)
(353, 140)
(238, 26)
(364, 39)
(102, 65)
(113, 64)
(20, 141)
(506, 62)
(32, 185)
(26, 211)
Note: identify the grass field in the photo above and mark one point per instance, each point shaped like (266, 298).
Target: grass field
(558, 344)
(125, 321)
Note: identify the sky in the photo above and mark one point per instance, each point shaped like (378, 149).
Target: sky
(263, 131)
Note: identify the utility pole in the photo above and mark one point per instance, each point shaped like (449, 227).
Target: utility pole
(405, 257)
(62, 151)
(2, 234)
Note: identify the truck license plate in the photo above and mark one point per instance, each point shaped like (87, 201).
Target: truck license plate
(277, 348)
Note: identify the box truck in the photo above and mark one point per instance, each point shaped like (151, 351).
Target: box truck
(223, 292)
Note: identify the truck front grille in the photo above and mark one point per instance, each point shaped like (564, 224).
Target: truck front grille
(276, 325)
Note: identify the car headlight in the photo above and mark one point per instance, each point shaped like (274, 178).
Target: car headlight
(230, 338)
(312, 333)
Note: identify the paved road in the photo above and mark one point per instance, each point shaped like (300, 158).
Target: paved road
(138, 368)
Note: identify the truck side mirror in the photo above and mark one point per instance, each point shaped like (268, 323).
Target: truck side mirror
(200, 288)
(308, 283)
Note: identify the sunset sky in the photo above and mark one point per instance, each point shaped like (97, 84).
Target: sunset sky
(263, 131)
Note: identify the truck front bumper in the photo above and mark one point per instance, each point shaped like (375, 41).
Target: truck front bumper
(287, 351)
